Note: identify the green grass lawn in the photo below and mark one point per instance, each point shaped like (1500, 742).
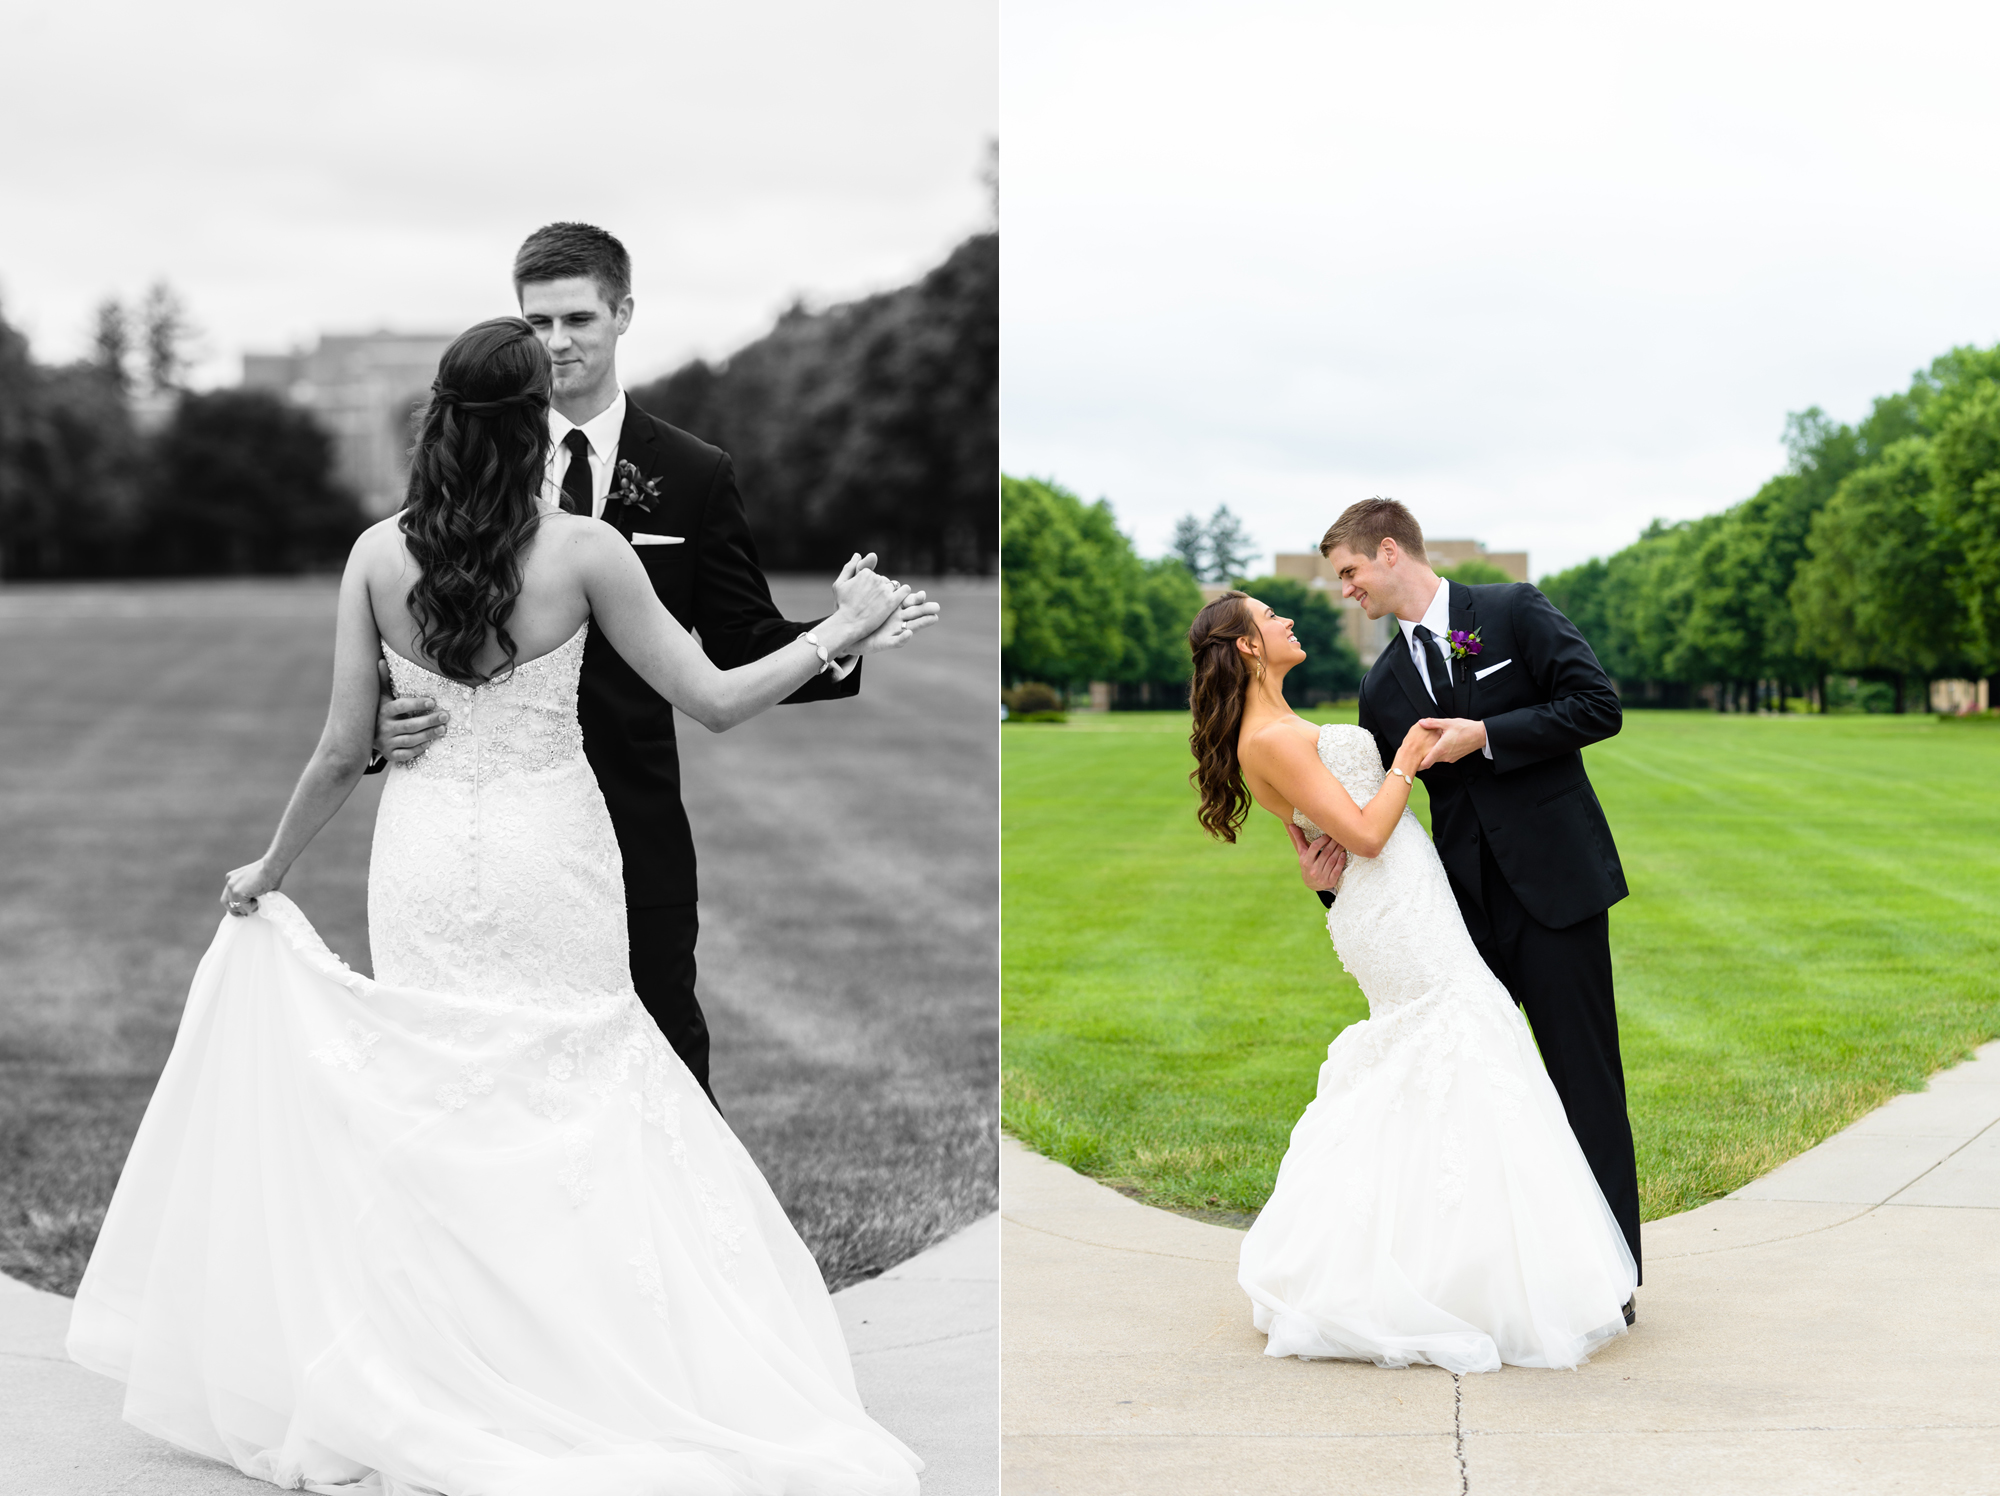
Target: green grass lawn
(150, 735)
(1814, 926)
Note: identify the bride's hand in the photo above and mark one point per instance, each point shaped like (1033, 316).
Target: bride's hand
(865, 599)
(1416, 743)
(241, 888)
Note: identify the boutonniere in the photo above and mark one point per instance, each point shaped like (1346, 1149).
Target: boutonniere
(1464, 644)
(629, 487)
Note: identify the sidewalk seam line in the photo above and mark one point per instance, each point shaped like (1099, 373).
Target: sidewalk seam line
(1458, 1432)
(1106, 1247)
(1946, 1159)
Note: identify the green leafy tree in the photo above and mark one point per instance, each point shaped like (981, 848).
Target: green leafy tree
(1165, 598)
(1966, 467)
(1066, 576)
(1874, 595)
(1474, 572)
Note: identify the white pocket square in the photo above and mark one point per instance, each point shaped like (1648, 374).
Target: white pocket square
(1476, 675)
(639, 537)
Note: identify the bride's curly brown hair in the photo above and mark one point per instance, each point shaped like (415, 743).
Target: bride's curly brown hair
(475, 477)
(1221, 681)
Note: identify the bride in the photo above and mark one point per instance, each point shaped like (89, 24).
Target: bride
(1434, 1205)
(470, 1227)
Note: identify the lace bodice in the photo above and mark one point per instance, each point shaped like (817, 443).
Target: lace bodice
(495, 871)
(523, 723)
(1395, 921)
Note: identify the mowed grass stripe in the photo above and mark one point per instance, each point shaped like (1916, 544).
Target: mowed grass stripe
(1812, 929)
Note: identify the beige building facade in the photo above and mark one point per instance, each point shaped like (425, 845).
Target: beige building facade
(366, 389)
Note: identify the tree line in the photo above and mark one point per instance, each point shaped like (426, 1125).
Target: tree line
(230, 481)
(872, 425)
(1079, 604)
(1873, 557)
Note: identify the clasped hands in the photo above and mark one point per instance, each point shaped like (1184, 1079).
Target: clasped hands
(407, 725)
(1322, 860)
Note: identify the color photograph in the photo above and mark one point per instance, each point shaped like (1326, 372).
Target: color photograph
(1499, 887)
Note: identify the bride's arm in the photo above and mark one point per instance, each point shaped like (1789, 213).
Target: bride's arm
(651, 640)
(341, 758)
(1289, 763)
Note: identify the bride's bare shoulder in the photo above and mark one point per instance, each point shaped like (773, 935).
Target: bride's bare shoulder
(1277, 736)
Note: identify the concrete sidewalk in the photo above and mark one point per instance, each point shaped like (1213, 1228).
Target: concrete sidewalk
(925, 1338)
(1833, 1327)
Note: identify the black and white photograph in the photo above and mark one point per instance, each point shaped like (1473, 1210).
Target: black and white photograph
(499, 638)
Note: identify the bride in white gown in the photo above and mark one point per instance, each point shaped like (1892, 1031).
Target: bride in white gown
(1434, 1205)
(471, 1227)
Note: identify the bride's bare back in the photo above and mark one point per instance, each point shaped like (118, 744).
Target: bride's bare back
(551, 606)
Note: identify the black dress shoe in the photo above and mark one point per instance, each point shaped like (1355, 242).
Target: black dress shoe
(1632, 1310)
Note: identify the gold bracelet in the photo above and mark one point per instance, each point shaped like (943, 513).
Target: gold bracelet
(1404, 777)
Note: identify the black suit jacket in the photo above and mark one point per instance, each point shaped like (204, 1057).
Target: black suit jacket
(711, 582)
(1543, 698)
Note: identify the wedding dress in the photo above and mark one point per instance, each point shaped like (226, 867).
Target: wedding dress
(471, 1227)
(1434, 1205)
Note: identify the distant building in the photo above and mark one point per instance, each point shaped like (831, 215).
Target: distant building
(365, 389)
(1369, 635)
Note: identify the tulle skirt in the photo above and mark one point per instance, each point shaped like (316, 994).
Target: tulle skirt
(400, 1242)
(1434, 1205)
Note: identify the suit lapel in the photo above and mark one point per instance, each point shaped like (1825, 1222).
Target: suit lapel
(638, 446)
(1462, 621)
(1405, 670)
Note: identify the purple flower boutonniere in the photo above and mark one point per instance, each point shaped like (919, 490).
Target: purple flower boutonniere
(1464, 644)
(629, 487)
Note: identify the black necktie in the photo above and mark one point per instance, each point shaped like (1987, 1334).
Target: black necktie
(576, 482)
(1432, 659)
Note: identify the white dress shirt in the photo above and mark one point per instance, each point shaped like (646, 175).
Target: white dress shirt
(601, 431)
(1437, 618)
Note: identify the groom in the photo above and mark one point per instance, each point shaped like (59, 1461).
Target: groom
(674, 498)
(1517, 695)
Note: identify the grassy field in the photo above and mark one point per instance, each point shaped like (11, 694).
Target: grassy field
(849, 968)
(1814, 926)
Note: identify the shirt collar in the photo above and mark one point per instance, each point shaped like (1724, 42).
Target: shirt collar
(601, 430)
(1437, 617)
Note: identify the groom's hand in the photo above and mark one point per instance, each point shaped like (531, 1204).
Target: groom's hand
(1458, 736)
(1321, 860)
(405, 725)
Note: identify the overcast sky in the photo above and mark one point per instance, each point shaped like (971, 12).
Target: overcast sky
(303, 168)
(1542, 272)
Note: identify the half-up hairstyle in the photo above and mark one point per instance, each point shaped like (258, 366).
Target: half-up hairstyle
(1221, 681)
(475, 481)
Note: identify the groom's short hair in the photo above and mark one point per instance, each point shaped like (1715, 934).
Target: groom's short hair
(558, 251)
(1363, 527)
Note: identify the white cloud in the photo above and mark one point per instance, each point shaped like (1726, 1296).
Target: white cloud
(295, 169)
(1542, 272)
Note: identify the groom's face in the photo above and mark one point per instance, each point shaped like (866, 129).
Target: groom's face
(1365, 579)
(579, 328)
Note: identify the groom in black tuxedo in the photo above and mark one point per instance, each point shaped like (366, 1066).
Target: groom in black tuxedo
(1517, 695)
(674, 498)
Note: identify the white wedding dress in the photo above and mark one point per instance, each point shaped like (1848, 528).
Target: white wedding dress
(1433, 1205)
(471, 1227)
